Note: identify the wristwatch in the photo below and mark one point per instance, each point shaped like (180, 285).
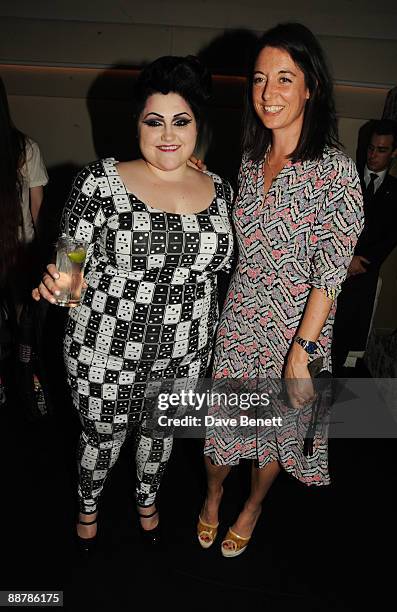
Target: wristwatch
(309, 346)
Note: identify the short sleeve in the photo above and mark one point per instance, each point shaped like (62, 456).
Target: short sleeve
(83, 215)
(337, 227)
(36, 173)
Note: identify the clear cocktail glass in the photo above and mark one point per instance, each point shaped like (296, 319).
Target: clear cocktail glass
(71, 254)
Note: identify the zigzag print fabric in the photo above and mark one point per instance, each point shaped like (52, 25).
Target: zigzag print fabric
(300, 235)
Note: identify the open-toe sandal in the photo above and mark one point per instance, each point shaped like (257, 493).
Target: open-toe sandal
(206, 533)
(238, 544)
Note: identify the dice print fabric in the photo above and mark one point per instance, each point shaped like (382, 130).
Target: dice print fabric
(150, 309)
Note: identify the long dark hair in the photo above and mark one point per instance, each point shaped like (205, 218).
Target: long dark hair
(319, 123)
(12, 157)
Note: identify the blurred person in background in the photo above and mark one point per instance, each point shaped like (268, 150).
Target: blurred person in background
(22, 178)
(377, 241)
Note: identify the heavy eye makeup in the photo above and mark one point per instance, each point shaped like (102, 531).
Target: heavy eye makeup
(179, 120)
(152, 122)
(182, 122)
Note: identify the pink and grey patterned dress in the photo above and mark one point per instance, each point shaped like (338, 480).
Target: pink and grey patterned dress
(300, 235)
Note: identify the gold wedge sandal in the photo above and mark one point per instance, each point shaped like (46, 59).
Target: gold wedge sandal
(206, 533)
(239, 544)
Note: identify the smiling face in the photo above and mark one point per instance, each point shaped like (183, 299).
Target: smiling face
(279, 92)
(167, 131)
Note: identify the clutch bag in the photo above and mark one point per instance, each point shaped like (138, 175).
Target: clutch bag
(316, 370)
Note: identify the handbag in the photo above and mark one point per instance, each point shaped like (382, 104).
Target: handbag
(316, 371)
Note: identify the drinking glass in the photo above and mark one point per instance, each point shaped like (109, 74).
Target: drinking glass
(70, 260)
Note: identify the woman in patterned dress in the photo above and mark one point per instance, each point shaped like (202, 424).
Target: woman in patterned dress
(297, 217)
(159, 232)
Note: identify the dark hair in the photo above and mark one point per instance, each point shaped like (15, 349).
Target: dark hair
(12, 157)
(319, 124)
(384, 127)
(185, 76)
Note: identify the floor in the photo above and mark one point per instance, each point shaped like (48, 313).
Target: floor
(319, 549)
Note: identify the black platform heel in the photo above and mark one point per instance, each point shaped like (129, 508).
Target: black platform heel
(86, 545)
(150, 537)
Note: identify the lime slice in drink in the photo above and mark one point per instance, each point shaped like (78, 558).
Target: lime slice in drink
(78, 255)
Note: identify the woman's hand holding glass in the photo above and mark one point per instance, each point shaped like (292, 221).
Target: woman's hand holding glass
(51, 285)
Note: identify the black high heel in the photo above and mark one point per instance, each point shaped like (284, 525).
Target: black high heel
(86, 545)
(151, 537)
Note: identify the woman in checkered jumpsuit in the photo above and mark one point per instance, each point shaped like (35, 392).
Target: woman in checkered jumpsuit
(150, 309)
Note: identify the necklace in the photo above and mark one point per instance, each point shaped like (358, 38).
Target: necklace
(273, 176)
(278, 167)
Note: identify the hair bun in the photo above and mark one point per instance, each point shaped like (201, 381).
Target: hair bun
(186, 76)
(202, 74)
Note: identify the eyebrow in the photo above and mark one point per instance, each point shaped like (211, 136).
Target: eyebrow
(384, 147)
(279, 72)
(162, 116)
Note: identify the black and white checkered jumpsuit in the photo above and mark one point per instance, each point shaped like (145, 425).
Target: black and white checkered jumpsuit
(149, 313)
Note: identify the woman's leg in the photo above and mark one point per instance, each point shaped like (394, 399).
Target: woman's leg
(151, 457)
(261, 481)
(216, 474)
(99, 447)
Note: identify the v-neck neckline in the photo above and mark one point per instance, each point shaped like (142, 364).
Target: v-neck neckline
(288, 165)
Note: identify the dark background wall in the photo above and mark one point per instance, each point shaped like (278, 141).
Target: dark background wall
(58, 62)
